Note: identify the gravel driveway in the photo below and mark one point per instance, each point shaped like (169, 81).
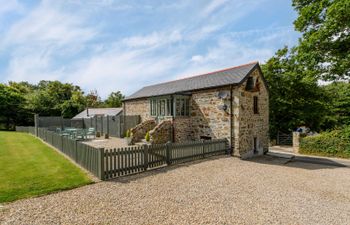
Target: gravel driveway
(220, 191)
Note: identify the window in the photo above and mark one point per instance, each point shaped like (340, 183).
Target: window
(182, 105)
(250, 84)
(164, 106)
(255, 105)
(161, 107)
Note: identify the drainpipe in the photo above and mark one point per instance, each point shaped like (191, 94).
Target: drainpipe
(231, 120)
(173, 118)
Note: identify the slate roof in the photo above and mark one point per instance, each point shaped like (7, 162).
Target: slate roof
(98, 111)
(229, 76)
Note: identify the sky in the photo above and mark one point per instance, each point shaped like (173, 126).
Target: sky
(114, 45)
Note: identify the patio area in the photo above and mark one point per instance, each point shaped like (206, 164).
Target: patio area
(110, 143)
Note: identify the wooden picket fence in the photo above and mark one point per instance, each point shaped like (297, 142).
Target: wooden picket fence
(30, 130)
(88, 157)
(129, 160)
(111, 163)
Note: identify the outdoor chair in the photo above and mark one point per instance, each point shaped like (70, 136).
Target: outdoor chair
(91, 132)
(79, 135)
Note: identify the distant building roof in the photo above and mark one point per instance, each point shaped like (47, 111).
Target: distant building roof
(91, 112)
(229, 76)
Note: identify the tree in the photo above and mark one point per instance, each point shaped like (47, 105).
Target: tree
(295, 97)
(93, 100)
(11, 106)
(114, 99)
(325, 43)
(74, 105)
(53, 98)
(339, 104)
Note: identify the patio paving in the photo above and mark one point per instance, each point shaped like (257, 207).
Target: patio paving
(110, 143)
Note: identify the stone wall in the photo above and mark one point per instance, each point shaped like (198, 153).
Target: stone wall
(138, 107)
(249, 125)
(296, 142)
(206, 118)
(182, 129)
(139, 132)
(162, 133)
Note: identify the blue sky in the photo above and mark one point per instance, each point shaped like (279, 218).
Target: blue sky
(111, 45)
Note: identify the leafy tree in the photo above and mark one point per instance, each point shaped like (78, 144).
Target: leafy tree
(114, 99)
(295, 97)
(93, 99)
(74, 105)
(339, 104)
(11, 106)
(53, 98)
(325, 43)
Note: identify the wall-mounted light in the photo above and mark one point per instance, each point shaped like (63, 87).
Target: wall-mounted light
(223, 95)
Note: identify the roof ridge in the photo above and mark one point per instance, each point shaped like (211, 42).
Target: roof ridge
(203, 74)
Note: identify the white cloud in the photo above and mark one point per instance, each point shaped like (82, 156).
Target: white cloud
(154, 39)
(121, 70)
(32, 66)
(10, 6)
(48, 23)
(212, 6)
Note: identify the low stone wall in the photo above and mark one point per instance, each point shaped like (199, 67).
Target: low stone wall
(139, 132)
(161, 134)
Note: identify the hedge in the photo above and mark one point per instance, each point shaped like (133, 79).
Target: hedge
(334, 143)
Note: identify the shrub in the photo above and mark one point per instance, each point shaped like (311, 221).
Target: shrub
(148, 137)
(332, 143)
(128, 133)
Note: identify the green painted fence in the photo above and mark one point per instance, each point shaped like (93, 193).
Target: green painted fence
(30, 130)
(110, 163)
(130, 160)
(88, 157)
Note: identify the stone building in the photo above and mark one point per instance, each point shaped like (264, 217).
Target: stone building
(230, 103)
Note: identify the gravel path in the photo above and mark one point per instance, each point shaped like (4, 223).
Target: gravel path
(220, 191)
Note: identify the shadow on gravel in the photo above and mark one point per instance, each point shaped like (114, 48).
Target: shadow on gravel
(298, 162)
(163, 169)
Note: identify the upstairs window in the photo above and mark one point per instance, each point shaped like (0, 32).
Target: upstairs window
(250, 84)
(255, 105)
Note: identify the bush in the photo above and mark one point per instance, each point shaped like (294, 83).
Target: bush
(334, 143)
(128, 133)
(148, 137)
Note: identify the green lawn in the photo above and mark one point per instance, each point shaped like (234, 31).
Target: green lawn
(28, 168)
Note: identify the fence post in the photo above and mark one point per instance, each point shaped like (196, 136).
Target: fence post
(76, 151)
(101, 119)
(101, 160)
(95, 123)
(145, 156)
(62, 144)
(36, 124)
(167, 146)
(203, 150)
(107, 128)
